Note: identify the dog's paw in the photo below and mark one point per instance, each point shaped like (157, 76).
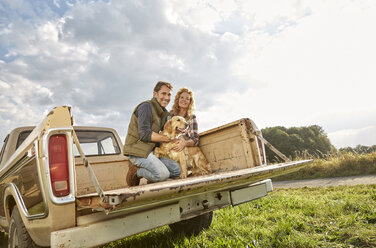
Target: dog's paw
(157, 152)
(182, 176)
(208, 168)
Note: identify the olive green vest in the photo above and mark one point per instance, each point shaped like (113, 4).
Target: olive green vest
(133, 145)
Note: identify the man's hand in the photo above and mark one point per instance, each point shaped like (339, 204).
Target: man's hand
(157, 138)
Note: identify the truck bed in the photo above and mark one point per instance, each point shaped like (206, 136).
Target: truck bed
(236, 156)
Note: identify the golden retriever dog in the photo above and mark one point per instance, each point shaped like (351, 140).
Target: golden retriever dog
(190, 158)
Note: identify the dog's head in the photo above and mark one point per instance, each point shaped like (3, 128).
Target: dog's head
(175, 125)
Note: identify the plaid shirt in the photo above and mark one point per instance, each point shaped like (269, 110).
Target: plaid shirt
(192, 131)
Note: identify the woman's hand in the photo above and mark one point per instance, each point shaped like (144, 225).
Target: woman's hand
(179, 145)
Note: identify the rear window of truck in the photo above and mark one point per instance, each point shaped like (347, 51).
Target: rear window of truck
(21, 137)
(96, 143)
(93, 143)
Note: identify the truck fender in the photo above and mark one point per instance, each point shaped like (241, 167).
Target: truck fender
(12, 197)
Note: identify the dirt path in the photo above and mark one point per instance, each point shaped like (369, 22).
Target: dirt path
(324, 182)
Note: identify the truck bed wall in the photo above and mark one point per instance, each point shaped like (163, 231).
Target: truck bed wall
(110, 171)
(230, 147)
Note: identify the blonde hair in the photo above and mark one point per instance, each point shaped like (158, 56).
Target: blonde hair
(175, 108)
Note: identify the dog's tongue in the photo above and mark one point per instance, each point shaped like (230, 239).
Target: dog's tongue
(181, 130)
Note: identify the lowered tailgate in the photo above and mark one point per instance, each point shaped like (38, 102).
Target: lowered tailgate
(168, 192)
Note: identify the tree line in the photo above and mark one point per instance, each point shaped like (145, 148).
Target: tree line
(297, 142)
(309, 141)
(359, 149)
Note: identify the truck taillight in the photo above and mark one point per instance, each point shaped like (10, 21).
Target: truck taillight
(59, 166)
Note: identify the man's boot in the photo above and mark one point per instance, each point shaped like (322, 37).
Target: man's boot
(132, 178)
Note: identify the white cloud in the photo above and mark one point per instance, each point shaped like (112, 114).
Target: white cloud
(203, 15)
(4, 85)
(353, 137)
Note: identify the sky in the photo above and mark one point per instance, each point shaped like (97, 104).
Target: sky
(280, 63)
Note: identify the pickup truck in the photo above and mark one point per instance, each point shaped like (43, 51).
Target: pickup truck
(64, 186)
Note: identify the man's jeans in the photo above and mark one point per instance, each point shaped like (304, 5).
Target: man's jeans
(155, 169)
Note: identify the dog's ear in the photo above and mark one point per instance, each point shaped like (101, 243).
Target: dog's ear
(168, 126)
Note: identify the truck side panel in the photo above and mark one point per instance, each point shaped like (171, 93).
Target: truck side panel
(25, 179)
(231, 147)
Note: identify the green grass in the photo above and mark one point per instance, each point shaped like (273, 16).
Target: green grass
(336, 165)
(343, 216)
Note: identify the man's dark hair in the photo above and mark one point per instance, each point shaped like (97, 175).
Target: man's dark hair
(159, 85)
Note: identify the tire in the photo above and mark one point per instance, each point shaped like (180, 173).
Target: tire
(193, 226)
(3, 242)
(18, 235)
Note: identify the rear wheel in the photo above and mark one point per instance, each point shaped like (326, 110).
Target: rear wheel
(3, 242)
(18, 235)
(193, 226)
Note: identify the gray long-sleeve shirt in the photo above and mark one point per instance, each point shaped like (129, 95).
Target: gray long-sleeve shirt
(145, 119)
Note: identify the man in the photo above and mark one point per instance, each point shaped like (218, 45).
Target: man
(146, 122)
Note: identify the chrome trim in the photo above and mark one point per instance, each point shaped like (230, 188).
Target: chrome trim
(252, 192)
(21, 163)
(20, 203)
(17, 166)
(68, 132)
(24, 146)
(268, 182)
(3, 223)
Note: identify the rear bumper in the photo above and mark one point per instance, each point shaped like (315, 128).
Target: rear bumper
(99, 228)
(113, 229)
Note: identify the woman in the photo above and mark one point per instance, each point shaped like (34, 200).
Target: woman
(184, 106)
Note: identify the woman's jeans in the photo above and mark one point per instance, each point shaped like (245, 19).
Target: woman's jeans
(155, 169)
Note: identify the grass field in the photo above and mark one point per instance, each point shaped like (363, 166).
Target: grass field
(343, 216)
(336, 165)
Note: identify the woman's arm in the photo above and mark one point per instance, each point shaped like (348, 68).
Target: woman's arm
(193, 131)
